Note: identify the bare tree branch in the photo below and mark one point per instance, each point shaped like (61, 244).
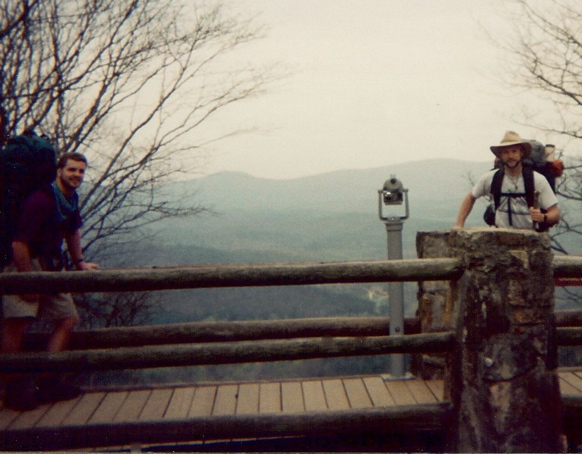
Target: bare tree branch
(544, 58)
(133, 85)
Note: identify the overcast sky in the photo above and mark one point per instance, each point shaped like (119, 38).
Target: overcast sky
(374, 82)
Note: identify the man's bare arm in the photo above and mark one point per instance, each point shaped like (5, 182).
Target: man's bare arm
(465, 210)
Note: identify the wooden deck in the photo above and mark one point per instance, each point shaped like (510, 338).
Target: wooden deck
(300, 396)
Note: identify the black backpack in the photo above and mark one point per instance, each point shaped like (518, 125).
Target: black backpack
(528, 181)
(27, 163)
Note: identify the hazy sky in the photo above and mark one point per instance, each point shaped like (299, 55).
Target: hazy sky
(374, 82)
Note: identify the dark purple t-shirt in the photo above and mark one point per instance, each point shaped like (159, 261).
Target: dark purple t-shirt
(41, 228)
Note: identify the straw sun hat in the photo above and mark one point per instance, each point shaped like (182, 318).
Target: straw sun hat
(512, 138)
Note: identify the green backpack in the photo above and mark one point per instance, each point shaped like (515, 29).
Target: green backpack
(27, 163)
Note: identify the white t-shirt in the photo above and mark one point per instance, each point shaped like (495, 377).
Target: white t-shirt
(520, 216)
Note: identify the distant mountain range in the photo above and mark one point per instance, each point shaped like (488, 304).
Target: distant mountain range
(333, 216)
(340, 191)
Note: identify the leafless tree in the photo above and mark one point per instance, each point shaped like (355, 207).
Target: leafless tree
(544, 58)
(15, 16)
(118, 309)
(133, 85)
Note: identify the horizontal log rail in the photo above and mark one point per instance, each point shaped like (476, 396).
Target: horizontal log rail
(232, 331)
(567, 266)
(228, 331)
(222, 353)
(251, 275)
(231, 275)
(369, 421)
(568, 317)
(569, 336)
(232, 352)
(568, 281)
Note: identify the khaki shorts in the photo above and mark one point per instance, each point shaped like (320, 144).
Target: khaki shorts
(57, 306)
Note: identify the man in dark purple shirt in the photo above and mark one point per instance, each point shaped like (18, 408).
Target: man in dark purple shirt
(39, 227)
(48, 218)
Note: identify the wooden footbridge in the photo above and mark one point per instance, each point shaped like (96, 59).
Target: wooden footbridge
(505, 348)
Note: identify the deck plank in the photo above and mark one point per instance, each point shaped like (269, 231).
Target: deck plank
(335, 394)
(420, 391)
(180, 403)
(28, 419)
(378, 391)
(109, 407)
(6, 417)
(292, 397)
(567, 388)
(357, 393)
(226, 397)
(437, 388)
(133, 406)
(57, 413)
(400, 393)
(248, 399)
(314, 395)
(270, 398)
(572, 379)
(203, 401)
(156, 405)
(82, 412)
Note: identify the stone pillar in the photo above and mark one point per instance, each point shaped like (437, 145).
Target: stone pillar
(503, 381)
(435, 305)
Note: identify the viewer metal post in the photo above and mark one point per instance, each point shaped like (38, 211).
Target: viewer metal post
(393, 193)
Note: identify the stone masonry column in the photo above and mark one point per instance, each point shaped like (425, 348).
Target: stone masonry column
(435, 305)
(502, 380)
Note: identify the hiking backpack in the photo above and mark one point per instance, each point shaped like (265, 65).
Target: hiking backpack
(536, 162)
(27, 163)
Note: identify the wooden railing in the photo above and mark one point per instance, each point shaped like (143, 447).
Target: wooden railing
(237, 342)
(241, 275)
(249, 347)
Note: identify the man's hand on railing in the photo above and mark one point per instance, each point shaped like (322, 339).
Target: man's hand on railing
(86, 266)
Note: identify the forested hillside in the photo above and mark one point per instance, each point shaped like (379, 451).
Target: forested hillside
(330, 217)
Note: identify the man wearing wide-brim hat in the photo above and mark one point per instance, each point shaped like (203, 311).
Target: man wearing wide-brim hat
(513, 210)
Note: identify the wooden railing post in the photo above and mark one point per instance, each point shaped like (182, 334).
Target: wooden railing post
(503, 381)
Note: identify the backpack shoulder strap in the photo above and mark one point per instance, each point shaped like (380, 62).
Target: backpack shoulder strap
(528, 181)
(496, 187)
